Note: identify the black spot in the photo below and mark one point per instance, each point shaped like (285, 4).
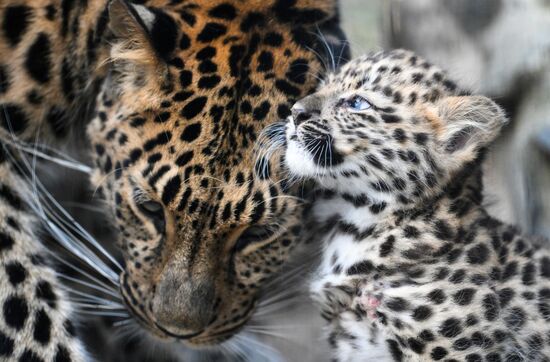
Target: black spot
(416, 346)
(395, 351)
(51, 12)
(6, 345)
(265, 61)
(191, 132)
(38, 59)
(473, 357)
(186, 77)
(223, 11)
(45, 292)
(171, 190)
(437, 296)
(181, 96)
(478, 254)
(545, 267)
(297, 71)
(443, 230)
(422, 313)
(163, 34)
(515, 319)
(420, 138)
(491, 307)
(261, 111)
(29, 356)
(184, 158)
(505, 296)
(397, 304)
(510, 270)
(438, 353)
(427, 335)
(458, 276)
(6, 241)
(251, 20)
(528, 274)
(42, 327)
(287, 88)
(259, 207)
(211, 31)
(67, 81)
(16, 312)
(15, 23)
(373, 161)
(185, 42)
(387, 246)
(378, 207)
(16, 272)
(392, 118)
(4, 80)
(450, 328)
(62, 354)
(283, 111)
(161, 139)
(12, 118)
(462, 344)
(194, 107)
(209, 82)
(399, 135)
(464, 296)
(362, 267)
(273, 39)
(411, 232)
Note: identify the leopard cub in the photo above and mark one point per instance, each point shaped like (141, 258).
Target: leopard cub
(413, 266)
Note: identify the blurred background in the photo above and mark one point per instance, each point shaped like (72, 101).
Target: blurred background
(500, 48)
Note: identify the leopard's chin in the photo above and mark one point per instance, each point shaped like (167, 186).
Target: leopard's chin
(300, 162)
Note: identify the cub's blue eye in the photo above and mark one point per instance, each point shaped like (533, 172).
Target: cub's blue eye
(358, 103)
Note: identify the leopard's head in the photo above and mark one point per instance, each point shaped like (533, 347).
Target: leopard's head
(388, 129)
(190, 87)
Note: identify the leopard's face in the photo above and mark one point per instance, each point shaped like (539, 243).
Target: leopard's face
(200, 230)
(388, 127)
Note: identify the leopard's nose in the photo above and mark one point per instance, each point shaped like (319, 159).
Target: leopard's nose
(183, 306)
(301, 116)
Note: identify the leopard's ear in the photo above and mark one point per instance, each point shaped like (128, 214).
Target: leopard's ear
(143, 35)
(467, 125)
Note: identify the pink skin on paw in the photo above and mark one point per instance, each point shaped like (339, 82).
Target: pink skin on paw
(370, 304)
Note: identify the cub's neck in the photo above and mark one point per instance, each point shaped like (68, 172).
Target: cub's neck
(461, 200)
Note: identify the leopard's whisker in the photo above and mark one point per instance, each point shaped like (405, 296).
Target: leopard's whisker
(110, 291)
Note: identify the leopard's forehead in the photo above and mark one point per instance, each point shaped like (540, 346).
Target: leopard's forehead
(397, 68)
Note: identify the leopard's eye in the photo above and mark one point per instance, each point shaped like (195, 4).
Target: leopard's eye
(358, 103)
(153, 210)
(254, 234)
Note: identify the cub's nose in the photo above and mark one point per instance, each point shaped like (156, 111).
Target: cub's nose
(300, 116)
(183, 307)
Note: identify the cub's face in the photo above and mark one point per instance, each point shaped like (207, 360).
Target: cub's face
(190, 89)
(389, 127)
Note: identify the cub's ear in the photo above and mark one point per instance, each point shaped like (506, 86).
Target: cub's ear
(142, 35)
(468, 124)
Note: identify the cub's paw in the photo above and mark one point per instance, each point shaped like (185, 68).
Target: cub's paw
(369, 298)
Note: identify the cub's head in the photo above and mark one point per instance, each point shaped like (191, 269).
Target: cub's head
(388, 127)
(189, 88)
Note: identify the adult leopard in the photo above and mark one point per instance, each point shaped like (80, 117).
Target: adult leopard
(175, 93)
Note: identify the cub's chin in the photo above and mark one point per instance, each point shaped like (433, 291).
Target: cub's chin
(299, 162)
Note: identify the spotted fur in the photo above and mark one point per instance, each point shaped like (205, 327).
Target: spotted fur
(414, 269)
(176, 93)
